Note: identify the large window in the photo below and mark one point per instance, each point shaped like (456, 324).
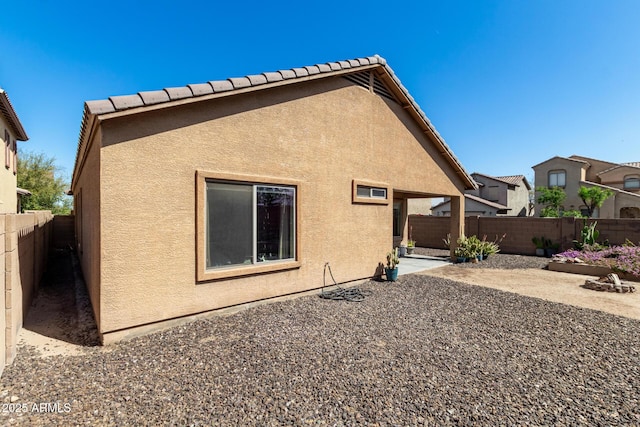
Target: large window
(557, 179)
(248, 224)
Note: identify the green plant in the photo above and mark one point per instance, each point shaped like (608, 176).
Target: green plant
(461, 252)
(573, 213)
(589, 237)
(594, 197)
(539, 242)
(552, 199)
(490, 248)
(392, 259)
(411, 243)
(447, 241)
(474, 246)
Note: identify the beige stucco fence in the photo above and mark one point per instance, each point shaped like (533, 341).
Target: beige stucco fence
(428, 231)
(24, 245)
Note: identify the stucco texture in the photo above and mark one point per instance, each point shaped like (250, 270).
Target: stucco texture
(322, 134)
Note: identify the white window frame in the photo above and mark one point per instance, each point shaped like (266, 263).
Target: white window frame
(557, 174)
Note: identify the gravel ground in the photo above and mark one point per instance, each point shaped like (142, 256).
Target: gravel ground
(500, 261)
(421, 351)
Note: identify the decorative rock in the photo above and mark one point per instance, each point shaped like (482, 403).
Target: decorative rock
(609, 283)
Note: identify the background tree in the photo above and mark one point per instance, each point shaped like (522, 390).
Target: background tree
(552, 199)
(594, 197)
(39, 174)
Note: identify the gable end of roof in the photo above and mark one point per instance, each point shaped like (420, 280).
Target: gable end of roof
(385, 81)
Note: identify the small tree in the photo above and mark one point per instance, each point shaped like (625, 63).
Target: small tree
(552, 199)
(594, 197)
(39, 174)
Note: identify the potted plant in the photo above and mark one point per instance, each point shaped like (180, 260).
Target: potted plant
(402, 251)
(391, 269)
(550, 248)
(540, 245)
(461, 254)
(411, 245)
(489, 248)
(463, 251)
(474, 248)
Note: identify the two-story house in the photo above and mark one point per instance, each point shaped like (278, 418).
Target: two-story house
(571, 173)
(11, 131)
(495, 196)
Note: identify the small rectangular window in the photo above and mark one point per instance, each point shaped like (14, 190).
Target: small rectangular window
(366, 192)
(372, 192)
(7, 149)
(14, 148)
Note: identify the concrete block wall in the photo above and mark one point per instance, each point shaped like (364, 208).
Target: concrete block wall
(24, 246)
(63, 231)
(428, 231)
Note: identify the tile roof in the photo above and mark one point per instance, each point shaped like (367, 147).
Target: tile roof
(632, 164)
(635, 165)
(477, 199)
(510, 179)
(124, 102)
(212, 89)
(12, 118)
(486, 202)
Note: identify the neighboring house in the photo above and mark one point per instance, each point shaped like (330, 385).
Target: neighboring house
(495, 196)
(197, 198)
(473, 206)
(571, 173)
(11, 131)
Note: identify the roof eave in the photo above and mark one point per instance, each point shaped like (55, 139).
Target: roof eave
(12, 117)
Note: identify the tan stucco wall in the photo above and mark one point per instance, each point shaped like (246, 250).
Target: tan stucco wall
(574, 174)
(518, 201)
(615, 178)
(8, 195)
(419, 207)
(323, 134)
(86, 191)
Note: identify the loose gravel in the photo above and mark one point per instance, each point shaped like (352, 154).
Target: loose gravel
(420, 351)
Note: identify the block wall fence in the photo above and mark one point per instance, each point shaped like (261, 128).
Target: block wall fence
(429, 231)
(24, 248)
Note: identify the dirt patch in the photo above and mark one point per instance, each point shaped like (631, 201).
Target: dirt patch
(548, 285)
(60, 320)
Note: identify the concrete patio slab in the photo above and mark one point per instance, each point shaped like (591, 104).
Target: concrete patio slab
(416, 263)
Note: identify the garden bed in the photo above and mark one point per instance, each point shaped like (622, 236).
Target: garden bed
(589, 270)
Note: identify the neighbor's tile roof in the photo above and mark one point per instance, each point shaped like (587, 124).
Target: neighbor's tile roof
(632, 164)
(510, 179)
(12, 118)
(477, 199)
(635, 165)
(212, 89)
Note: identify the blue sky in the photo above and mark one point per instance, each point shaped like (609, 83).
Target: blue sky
(508, 84)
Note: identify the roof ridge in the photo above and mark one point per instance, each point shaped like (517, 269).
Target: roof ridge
(166, 95)
(193, 90)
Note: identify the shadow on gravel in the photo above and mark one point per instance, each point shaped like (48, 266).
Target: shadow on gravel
(62, 309)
